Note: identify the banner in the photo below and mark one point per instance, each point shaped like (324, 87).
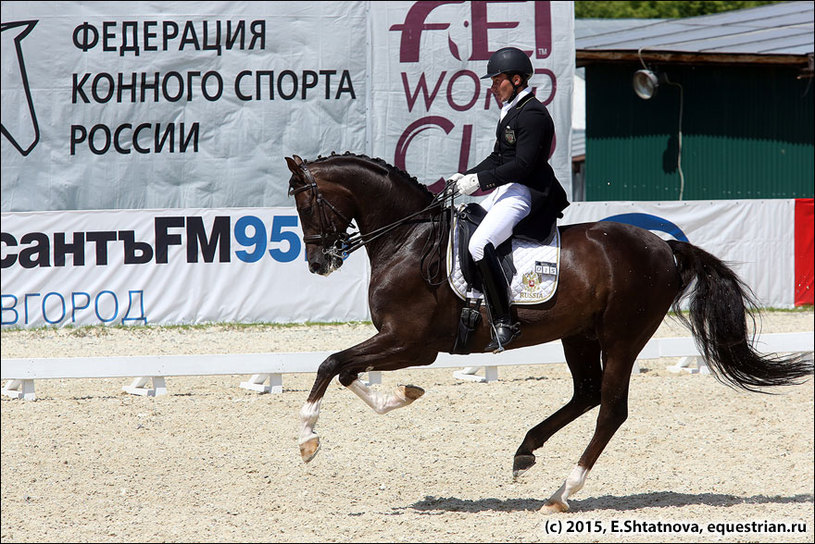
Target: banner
(248, 264)
(152, 105)
(427, 94)
(804, 251)
(135, 105)
(754, 237)
(126, 267)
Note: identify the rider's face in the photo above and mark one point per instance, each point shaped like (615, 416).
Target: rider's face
(502, 87)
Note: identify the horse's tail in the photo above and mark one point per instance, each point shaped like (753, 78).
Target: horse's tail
(720, 305)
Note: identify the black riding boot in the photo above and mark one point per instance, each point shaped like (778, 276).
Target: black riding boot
(496, 295)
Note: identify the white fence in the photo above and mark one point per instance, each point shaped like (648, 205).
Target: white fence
(150, 371)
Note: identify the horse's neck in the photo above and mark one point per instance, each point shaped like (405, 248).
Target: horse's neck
(385, 202)
(381, 203)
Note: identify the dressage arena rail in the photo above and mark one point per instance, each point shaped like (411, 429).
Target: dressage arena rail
(270, 367)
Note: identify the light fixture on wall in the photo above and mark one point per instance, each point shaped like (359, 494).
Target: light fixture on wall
(645, 83)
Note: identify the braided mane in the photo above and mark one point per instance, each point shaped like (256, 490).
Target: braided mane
(381, 163)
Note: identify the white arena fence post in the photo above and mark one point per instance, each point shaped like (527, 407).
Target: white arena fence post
(140, 387)
(258, 383)
(20, 389)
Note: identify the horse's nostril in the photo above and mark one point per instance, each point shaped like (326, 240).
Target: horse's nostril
(313, 267)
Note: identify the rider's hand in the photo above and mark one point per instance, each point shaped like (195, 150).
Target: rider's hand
(455, 177)
(467, 185)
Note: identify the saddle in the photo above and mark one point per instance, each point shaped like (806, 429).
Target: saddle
(537, 261)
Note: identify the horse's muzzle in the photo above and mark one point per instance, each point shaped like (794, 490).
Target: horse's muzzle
(319, 268)
(324, 266)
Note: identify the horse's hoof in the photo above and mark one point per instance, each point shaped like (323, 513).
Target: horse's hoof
(411, 392)
(309, 448)
(521, 464)
(554, 507)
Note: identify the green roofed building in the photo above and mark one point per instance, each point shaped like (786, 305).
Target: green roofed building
(711, 107)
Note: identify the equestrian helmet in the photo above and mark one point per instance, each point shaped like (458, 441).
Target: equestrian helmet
(509, 60)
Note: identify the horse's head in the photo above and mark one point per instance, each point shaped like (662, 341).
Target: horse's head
(324, 210)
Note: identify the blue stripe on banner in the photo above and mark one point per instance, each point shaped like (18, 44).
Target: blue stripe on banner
(649, 222)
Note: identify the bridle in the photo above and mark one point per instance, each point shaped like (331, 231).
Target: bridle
(338, 243)
(332, 240)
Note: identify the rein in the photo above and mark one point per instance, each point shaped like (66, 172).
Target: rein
(344, 243)
(358, 240)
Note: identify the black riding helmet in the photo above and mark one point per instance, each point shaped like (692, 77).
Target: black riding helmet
(509, 60)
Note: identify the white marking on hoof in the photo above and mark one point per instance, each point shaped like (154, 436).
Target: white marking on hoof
(554, 507)
(574, 483)
(309, 441)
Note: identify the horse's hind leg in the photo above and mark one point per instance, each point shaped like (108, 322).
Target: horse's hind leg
(613, 412)
(583, 358)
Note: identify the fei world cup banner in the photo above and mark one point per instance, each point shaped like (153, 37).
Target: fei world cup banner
(428, 97)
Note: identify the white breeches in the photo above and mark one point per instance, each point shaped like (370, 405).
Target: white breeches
(505, 206)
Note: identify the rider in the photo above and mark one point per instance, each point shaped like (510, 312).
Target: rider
(528, 199)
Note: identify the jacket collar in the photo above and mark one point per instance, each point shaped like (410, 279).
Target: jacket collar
(519, 100)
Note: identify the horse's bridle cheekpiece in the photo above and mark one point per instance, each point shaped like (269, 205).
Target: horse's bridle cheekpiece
(335, 242)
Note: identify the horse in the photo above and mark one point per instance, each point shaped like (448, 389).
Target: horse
(617, 282)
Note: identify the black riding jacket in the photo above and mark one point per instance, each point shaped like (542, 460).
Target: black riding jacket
(521, 155)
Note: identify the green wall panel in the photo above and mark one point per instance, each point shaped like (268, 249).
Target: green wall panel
(747, 133)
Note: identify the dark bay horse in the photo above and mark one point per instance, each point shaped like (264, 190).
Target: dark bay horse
(617, 282)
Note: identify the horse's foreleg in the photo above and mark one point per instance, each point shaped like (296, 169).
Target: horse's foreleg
(384, 402)
(381, 352)
(583, 358)
(613, 413)
(309, 441)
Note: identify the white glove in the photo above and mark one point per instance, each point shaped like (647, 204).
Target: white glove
(467, 185)
(455, 177)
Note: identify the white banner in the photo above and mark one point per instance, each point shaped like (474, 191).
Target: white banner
(431, 111)
(248, 264)
(755, 237)
(169, 266)
(136, 105)
(143, 105)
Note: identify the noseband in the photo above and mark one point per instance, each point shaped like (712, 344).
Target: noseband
(332, 239)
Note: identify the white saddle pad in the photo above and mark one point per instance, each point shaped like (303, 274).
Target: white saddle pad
(538, 267)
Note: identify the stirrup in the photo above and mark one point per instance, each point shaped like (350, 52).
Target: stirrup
(511, 332)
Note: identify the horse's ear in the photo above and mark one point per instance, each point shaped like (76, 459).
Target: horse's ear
(294, 163)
